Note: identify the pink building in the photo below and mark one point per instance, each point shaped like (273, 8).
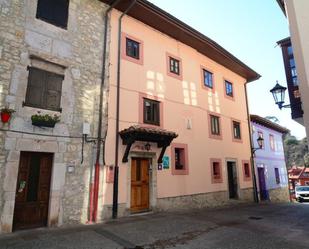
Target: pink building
(183, 124)
(179, 137)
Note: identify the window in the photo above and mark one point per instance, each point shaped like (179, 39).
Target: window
(179, 157)
(174, 66)
(277, 175)
(236, 130)
(293, 71)
(54, 12)
(229, 89)
(208, 78)
(216, 170)
(44, 89)
(261, 135)
(290, 50)
(216, 173)
(246, 170)
(272, 142)
(151, 112)
(215, 125)
(132, 48)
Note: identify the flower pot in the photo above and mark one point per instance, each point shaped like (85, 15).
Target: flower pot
(41, 123)
(5, 117)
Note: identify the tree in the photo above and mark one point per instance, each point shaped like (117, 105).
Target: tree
(273, 119)
(296, 151)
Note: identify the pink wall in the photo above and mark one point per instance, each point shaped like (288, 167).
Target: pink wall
(184, 98)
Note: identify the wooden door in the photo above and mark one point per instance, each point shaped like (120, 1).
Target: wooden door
(32, 191)
(139, 184)
(262, 184)
(232, 180)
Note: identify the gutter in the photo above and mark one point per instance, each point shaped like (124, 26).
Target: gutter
(94, 187)
(116, 170)
(255, 192)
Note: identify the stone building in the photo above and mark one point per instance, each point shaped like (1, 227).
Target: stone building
(50, 62)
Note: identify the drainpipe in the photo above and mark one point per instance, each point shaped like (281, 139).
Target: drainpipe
(116, 170)
(94, 188)
(255, 192)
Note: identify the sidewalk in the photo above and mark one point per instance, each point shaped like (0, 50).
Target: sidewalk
(266, 226)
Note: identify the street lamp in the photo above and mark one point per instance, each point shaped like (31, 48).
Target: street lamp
(278, 93)
(260, 141)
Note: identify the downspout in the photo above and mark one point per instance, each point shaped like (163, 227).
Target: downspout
(94, 188)
(116, 169)
(255, 192)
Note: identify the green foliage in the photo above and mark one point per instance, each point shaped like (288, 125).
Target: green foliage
(7, 110)
(273, 119)
(291, 140)
(296, 151)
(45, 118)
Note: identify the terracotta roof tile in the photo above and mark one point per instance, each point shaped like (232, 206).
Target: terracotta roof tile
(150, 130)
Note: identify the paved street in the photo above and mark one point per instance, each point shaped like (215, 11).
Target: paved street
(282, 226)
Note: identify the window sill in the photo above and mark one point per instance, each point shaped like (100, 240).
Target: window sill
(216, 180)
(151, 124)
(180, 171)
(218, 137)
(237, 140)
(64, 28)
(247, 179)
(229, 97)
(41, 108)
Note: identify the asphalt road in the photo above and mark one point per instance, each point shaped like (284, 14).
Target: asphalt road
(263, 226)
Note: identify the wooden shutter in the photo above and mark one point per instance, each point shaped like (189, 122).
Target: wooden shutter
(53, 91)
(44, 89)
(35, 87)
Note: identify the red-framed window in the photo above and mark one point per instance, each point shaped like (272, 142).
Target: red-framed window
(216, 170)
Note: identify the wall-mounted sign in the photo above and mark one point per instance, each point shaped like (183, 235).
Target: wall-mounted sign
(70, 168)
(166, 162)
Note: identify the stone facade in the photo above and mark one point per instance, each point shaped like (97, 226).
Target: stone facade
(206, 200)
(75, 52)
(279, 195)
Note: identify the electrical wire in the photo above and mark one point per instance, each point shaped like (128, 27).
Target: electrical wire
(44, 135)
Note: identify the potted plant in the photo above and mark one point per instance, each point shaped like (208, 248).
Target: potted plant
(6, 114)
(45, 120)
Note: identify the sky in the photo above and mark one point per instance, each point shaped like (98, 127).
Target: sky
(249, 30)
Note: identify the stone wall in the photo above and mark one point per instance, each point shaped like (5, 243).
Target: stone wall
(77, 51)
(246, 194)
(207, 200)
(279, 194)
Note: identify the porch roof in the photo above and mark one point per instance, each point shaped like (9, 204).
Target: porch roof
(162, 137)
